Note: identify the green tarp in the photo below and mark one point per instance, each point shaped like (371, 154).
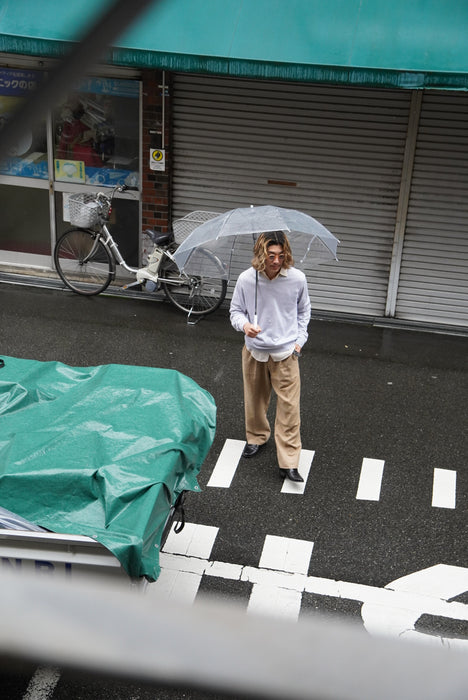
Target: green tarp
(397, 43)
(101, 451)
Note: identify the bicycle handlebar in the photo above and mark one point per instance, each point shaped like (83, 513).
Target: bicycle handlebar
(105, 200)
(110, 197)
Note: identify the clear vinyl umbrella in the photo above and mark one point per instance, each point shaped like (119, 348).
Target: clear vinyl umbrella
(230, 236)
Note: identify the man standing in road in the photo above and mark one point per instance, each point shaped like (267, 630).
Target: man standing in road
(278, 292)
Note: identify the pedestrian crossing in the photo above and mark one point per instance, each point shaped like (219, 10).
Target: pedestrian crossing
(277, 585)
(371, 476)
(281, 584)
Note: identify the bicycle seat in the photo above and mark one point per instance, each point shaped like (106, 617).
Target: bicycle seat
(157, 237)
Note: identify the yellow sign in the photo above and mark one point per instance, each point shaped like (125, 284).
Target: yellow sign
(157, 159)
(66, 170)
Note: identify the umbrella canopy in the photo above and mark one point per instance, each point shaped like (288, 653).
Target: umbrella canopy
(236, 230)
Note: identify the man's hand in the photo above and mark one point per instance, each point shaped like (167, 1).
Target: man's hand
(250, 330)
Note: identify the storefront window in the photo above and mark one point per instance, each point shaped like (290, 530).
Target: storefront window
(97, 135)
(28, 156)
(95, 143)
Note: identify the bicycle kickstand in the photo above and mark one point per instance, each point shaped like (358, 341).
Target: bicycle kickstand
(193, 322)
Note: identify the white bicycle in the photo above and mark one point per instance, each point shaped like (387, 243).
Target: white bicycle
(86, 258)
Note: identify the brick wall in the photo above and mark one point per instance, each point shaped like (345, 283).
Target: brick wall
(156, 212)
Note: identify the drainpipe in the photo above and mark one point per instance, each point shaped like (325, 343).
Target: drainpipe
(403, 201)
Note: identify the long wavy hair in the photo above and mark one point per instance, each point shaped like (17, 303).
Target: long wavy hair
(263, 242)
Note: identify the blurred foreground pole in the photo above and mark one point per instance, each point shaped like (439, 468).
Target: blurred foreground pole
(94, 627)
(82, 56)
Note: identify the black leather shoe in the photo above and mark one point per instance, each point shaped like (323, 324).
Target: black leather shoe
(251, 450)
(291, 474)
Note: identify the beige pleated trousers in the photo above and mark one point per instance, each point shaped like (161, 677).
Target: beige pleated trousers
(283, 377)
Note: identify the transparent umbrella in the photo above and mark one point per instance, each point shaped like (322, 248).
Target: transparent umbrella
(230, 234)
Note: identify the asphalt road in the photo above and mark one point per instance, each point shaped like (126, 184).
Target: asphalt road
(384, 434)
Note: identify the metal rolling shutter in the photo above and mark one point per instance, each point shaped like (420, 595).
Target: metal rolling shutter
(433, 283)
(334, 153)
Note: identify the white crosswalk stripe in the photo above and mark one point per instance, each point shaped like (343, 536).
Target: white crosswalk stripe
(305, 462)
(444, 488)
(226, 465)
(370, 480)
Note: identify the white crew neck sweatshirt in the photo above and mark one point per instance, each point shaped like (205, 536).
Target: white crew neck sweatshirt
(283, 310)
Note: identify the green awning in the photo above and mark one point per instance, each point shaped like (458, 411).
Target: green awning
(416, 44)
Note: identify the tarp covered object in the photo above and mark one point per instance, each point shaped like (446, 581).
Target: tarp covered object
(101, 451)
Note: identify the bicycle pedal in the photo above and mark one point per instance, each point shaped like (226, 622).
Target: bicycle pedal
(132, 284)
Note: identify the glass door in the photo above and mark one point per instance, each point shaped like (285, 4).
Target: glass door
(24, 179)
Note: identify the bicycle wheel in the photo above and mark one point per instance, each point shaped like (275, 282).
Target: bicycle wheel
(83, 262)
(195, 295)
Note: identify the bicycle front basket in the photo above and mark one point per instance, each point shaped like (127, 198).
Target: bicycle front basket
(84, 210)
